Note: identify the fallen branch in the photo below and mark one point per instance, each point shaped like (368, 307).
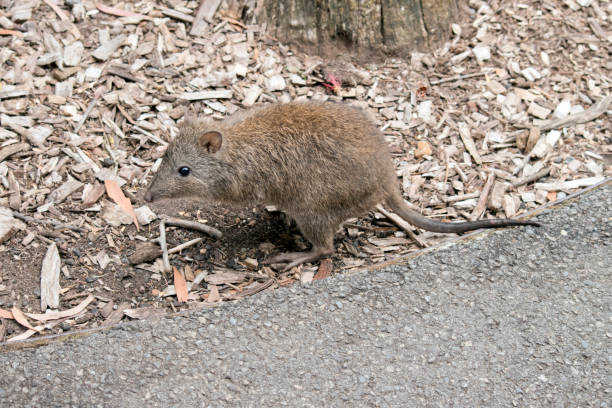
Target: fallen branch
(400, 222)
(457, 78)
(484, 196)
(582, 117)
(542, 173)
(149, 252)
(177, 222)
(56, 224)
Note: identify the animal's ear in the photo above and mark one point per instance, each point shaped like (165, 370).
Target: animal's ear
(210, 141)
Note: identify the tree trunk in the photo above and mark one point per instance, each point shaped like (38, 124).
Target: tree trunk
(392, 26)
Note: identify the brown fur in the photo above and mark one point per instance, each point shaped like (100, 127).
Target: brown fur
(320, 163)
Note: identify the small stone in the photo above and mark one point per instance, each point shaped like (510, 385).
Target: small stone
(276, 83)
(423, 149)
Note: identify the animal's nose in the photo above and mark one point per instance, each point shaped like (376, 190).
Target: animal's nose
(148, 196)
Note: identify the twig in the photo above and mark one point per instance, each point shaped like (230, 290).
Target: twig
(56, 224)
(75, 31)
(164, 246)
(187, 244)
(461, 197)
(92, 104)
(542, 173)
(148, 253)
(177, 222)
(400, 222)
(484, 196)
(582, 117)
(457, 78)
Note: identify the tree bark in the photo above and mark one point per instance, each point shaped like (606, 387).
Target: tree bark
(393, 26)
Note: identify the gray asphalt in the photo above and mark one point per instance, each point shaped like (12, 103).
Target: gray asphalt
(517, 317)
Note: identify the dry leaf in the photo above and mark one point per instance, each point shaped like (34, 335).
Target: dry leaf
(180, 285)
(114, 192)
(20, 318)
(6, 314)
(64, 313)
(22, 336)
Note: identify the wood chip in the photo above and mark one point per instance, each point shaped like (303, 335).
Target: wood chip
(466, 137)
(49, 279)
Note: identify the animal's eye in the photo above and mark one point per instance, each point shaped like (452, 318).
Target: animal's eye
(184, 171)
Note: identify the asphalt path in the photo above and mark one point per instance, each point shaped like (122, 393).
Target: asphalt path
(514, 317)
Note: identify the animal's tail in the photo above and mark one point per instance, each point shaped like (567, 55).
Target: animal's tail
(399, 206)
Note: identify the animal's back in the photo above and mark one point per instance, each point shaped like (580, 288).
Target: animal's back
(317, 156)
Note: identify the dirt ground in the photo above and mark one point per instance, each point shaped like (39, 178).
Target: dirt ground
(512, 70)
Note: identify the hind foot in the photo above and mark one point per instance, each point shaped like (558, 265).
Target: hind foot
(293, 259)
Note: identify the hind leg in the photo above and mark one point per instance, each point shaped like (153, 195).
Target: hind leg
(320, 232)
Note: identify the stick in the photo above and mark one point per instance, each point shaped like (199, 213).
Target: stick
(56, 224)
(177, 222)
(542, 173)
(399, 221)
(457, 78)
(484, 196)
(590, 114)
(462, 197)
(582, 117)
(89, 109)
(164, 246)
